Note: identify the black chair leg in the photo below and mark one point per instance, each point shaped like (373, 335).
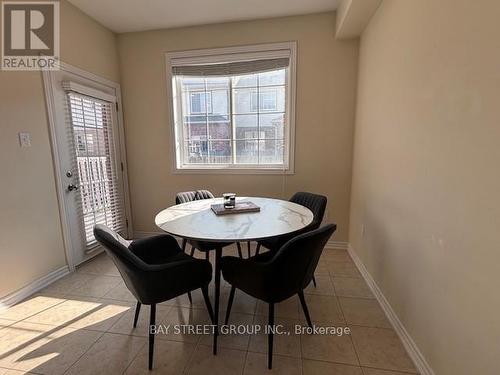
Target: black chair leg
(207, 256)
(258, 249)
(270, 337)
(137, 310)
(239, 250)
(184, 243)
(314, 281)
(229, 304)
(204, 290)
(190, 254)
(248, 248)
(152, 322)
(304, 307)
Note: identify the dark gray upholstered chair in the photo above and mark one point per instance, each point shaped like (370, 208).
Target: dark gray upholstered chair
(276, 276)
(189, 196)
(155, 269)
(316, 203)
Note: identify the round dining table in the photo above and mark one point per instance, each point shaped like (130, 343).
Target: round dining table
(196, 221)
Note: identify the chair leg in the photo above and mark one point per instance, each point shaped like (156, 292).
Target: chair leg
(207, 256)
(239, 250)
(304, 307)
(229, 304)
(258, 249)
(314, 281)
(184, 243)
(270, 337)
(137, 310)
(248, 248)
(152, 322)
(192, 251)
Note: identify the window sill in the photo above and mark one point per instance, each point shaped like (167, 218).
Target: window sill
(233, 171)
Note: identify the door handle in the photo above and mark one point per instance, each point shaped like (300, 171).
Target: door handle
(72, 187)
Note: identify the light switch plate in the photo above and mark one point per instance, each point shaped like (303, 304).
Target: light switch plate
(25, 139)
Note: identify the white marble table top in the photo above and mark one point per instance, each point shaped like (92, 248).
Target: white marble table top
(195, 220)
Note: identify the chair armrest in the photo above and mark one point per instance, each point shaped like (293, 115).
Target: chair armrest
(161, 282)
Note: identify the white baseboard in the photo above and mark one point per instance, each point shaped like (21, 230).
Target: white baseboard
(35, 286)
(411, 347)
(340, 245)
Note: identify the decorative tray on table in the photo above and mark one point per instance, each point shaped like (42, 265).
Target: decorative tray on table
(239, 208)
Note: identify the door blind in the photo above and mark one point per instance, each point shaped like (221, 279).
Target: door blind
(100, 196)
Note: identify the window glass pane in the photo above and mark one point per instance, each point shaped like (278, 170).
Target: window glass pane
(195, 102)
(219, 102)
(271, 151)
(272, 99)
(276, 77)
(196, 152)
(272, 125)
(245, 100)
(229, 120)
(220, 152)
(196, 128)
(193, 83)
(247, 152)
(186, 103)
(245, 81)
(268, 100)
(245, 126)
(219, 130)
(217, 83)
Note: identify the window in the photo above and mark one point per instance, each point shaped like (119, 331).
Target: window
(233, 108)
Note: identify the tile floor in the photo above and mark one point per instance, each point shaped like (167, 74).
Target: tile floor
(82, 324)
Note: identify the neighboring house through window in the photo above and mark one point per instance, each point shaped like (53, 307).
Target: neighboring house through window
(268, 100)
(201, 102)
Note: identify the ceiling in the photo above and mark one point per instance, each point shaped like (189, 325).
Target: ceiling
(136, 15)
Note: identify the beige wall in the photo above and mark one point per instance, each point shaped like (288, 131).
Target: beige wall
(326, 82)
(31, 243)
(426, 175)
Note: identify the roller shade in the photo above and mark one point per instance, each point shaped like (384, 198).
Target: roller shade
(231, 68)
(230, 64)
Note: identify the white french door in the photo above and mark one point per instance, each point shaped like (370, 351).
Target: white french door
(91, 181)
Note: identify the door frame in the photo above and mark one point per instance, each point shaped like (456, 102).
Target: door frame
(51, 113)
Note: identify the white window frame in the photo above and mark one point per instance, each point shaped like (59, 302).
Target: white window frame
(218, 55)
